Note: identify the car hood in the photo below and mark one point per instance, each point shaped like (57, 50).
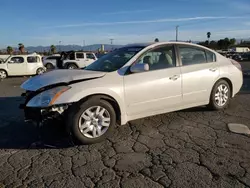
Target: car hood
(58, 77)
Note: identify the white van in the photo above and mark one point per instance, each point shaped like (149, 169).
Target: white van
(20, 65)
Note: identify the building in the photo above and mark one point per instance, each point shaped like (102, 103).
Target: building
(240, 49)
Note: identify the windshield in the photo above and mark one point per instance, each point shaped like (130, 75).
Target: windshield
(2, 61)
(114, 60)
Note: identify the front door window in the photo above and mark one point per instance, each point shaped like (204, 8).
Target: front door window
(159, 58)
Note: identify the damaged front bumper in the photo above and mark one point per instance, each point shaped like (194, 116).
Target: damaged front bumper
(37, 114)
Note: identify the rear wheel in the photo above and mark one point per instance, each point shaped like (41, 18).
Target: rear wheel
(92, 121)
(3, 74)
(72, 66)
(220, 96)
(40, 71)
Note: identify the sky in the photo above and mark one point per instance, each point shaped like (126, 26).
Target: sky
(48, 22)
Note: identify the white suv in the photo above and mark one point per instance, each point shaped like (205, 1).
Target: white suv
(76, 60)
(20, 65)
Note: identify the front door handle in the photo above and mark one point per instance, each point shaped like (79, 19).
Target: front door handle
(175, 77)
(213, 69)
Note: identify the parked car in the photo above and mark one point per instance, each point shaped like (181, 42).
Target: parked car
(51, 62)
(245, 57)
(19, 65)
(132, 82)
(75, 60)
(69, 60)
(237, 57)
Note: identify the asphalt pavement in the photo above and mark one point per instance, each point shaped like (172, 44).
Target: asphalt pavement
(188, 148)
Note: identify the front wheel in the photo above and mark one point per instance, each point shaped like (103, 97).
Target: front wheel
(220, 96)
(92, 121)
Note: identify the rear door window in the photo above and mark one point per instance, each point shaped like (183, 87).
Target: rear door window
(32, 59)
(192, 55)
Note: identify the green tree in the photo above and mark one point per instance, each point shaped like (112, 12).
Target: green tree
(213, 45)
(208, 36)
(53, 49)
(9, 50)
(232, 41)
(21, 48)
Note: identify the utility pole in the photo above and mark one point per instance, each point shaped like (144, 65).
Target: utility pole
(111, 41)
(60, 46)
(83, 43)
(177, 32)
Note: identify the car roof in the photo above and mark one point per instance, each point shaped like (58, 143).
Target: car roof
(154, 44)
(25, 55)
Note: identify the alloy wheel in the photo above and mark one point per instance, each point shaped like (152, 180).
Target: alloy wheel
(221, 95)
(3, 74)
(72, 67)
(94, 122)
(40, 71)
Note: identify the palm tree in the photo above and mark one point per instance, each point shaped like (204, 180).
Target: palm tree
(156, 40)
(21, 48)
(9, 50)
(53, 49)
(208, 36)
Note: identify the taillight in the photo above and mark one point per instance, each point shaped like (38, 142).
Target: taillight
(236, 64)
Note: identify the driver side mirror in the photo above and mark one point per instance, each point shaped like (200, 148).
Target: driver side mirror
(139, 68)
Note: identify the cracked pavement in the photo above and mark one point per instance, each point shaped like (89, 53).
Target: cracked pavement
(189, 148)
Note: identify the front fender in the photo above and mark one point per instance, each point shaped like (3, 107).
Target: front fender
(77, 92)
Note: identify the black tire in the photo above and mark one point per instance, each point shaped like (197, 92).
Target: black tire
(49, 66)
(72, 66)
(213, 104)
(75, 113)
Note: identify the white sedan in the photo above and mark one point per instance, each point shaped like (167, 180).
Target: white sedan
(132, 82)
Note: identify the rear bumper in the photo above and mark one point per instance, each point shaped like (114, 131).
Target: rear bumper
(237, 82)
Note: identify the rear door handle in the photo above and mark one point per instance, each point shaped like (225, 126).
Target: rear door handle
(213, 69)
(175, 77)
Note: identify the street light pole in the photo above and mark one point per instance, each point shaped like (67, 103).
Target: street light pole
(177, 32)
(83, 44)
(111, 41)
(60, 46)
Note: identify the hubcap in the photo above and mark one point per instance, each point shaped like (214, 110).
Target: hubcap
(94, 122)
(71, 67)
(2, 74)
(40, 71)
(221, 95)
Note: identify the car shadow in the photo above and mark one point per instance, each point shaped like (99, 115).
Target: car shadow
(16, 134)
